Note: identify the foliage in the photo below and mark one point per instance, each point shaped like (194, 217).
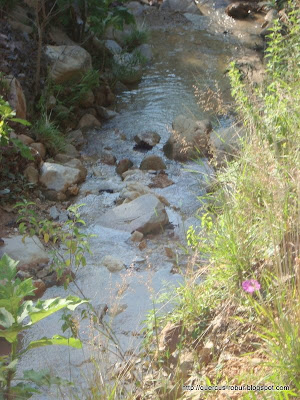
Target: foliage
(18, 315)
(98, 15)
(7, 115)
(250, 227)
(48, 133)
(137, 36)
(73, 244)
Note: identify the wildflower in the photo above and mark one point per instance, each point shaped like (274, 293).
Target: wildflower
(251, 285)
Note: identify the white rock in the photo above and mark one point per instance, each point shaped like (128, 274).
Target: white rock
(144, 214)
(113, 264)
(30, 252)
(59, 177)
(67, 62)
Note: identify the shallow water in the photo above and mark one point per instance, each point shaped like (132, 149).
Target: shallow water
(184, 56)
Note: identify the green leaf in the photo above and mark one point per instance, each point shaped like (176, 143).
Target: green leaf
(8, 267)
(48, 307)
(21, 121)
(43, 378)
(6, 318)
(55, 340)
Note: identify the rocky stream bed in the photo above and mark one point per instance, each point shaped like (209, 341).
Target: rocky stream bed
(140, 217)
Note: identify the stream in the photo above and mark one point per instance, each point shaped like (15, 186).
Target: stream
(193, 51)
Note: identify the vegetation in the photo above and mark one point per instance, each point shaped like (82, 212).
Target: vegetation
(251, 236)
(67, 243)
(18, 314)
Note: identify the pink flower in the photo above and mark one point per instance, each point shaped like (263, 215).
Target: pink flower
(251, 285)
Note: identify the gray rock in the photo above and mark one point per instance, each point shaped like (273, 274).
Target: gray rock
(113, 47)
(67, 62)
(71, 150)
(76, 138)
(136, 8)
(113, 264)
(145, 214)
(89, 121)
(188, 138)
(31, 251)
(105, 113)
(184, 6)
(59, 177)
(75, 163)
(54, 213)
(147, 139)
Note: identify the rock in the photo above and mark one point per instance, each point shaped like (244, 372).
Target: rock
(147, 140)
(16, 97)
(137, 236)
(31, 174)
(183, 6)
(143, 245)
(153, 162)
(59, 177)
(87, 99)
(54, 214)
(59, 37)
(123, 166)
(169, 337)
(144, 214)
(31, 251)
(75, 163)
(105, 113)
(187, 135)
(61, 158)
(117, 309)
(145, 51)
(89, 121)
(240, 10)
(251, 68)
(113, 264)
(25, 139)
(136, 8)
(76, 138)
(161, 180)
(40, 148)
(67, 62)
(113, 47)
(19, 26)
(186, 364)
(40, 288)
(100, 96)
(120, 87)
(108, 158)
(225, 143)
(71, 150)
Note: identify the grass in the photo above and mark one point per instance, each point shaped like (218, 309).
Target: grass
(252, 233)
(49, 134)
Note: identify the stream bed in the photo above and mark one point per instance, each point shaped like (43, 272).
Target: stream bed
(192, 52)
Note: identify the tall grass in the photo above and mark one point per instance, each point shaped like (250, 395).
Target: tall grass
(253, 232)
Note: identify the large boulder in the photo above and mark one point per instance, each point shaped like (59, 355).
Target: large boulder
(67, 62)
(88, 121)
(241, 10)
(145, 214)
(188, 138)
(59, 177)
(27, 251)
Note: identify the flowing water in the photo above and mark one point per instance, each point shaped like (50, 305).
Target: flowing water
(195, 51)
